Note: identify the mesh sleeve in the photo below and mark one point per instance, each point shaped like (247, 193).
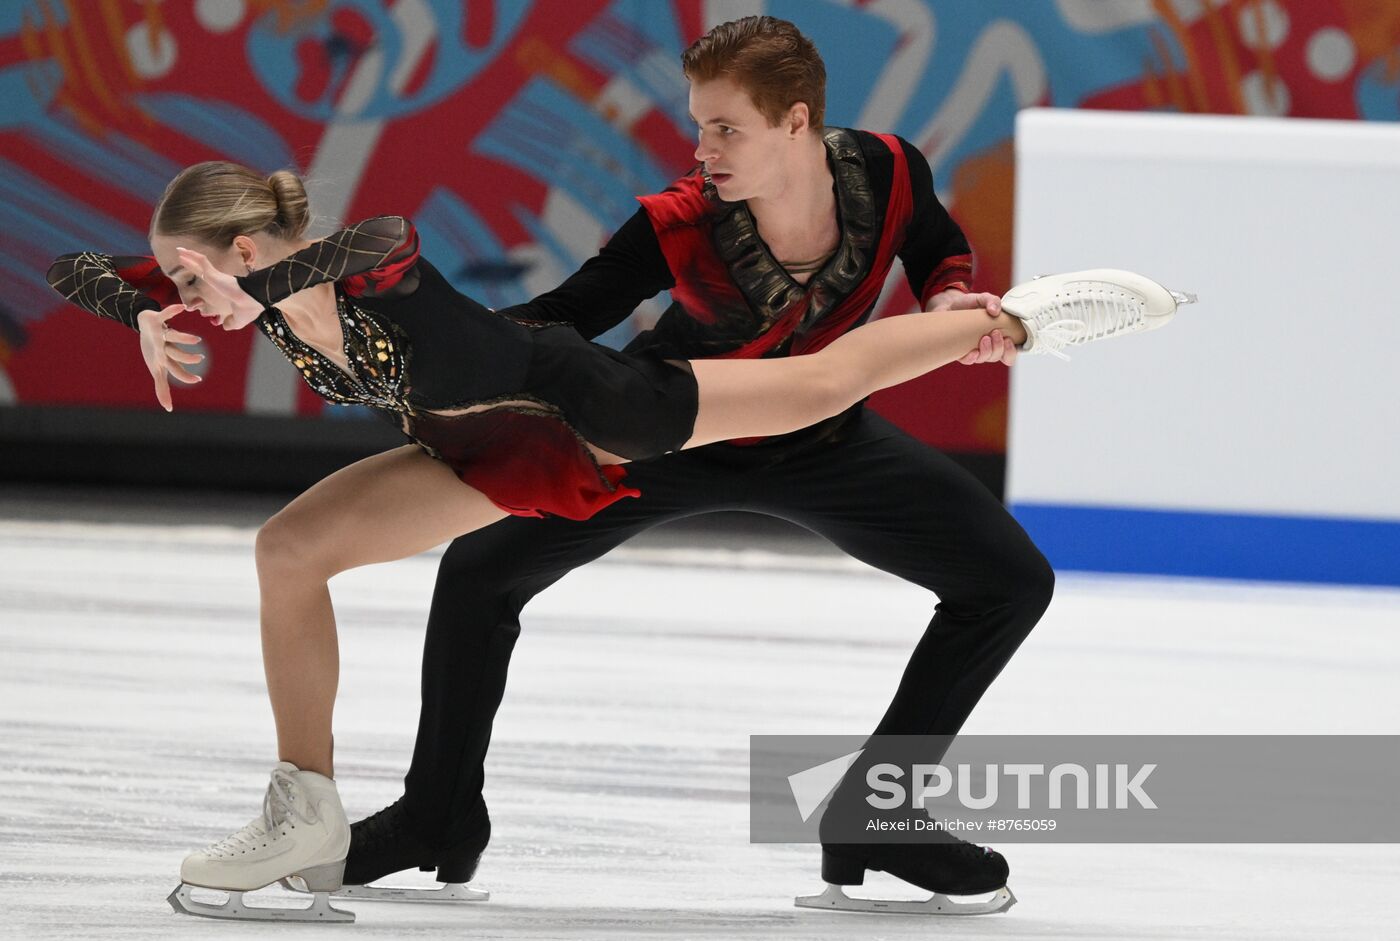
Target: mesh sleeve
(113, 288)
(374, 258)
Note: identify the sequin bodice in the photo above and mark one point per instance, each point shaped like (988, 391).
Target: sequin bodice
(377, 351)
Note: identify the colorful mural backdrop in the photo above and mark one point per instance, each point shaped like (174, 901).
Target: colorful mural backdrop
(517, 133)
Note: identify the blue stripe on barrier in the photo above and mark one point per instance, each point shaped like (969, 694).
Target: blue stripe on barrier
(1215, 545)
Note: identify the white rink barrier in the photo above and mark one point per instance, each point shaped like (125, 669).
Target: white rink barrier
(1256, 436)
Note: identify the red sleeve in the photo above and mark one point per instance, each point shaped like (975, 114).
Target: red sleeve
(953, 272)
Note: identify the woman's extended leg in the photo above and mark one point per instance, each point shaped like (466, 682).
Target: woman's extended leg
(385, 507)
(741, 398)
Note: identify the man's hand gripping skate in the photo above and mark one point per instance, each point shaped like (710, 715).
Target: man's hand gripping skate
(995, 347)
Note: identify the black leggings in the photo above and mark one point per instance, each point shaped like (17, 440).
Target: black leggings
(876, 493)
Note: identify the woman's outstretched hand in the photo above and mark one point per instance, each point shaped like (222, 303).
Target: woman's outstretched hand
(224, 298)
(163, 355)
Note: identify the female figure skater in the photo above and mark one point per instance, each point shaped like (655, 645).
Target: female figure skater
(503, 418)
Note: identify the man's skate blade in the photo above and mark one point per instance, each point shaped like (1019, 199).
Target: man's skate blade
(447, 892)
(235, 908)
(1182, 297)
(836, 899)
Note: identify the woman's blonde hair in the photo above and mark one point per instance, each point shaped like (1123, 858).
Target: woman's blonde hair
(216, 201)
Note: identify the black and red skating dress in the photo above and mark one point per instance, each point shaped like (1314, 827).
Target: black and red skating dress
(508, 405)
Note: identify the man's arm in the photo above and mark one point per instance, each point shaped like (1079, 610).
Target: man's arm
(935, 252)
(600, 295)
(938, 261)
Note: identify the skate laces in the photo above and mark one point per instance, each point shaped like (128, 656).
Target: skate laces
(250, 837)
(1085, 312)
(380, 827)
(280, 803)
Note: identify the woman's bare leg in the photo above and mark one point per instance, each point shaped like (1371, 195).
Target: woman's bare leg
(402, 502)
(741, 398)
(385, 507)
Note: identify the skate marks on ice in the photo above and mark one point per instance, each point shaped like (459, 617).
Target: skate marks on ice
(134, 728)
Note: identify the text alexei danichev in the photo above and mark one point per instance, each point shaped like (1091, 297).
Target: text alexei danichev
(1001, 824)
(913, 825)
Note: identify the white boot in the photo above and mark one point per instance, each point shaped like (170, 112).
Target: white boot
(302, 832)
(1062, 310)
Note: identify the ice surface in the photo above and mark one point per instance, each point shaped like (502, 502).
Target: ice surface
(133, 728)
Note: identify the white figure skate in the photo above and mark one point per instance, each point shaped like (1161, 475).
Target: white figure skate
(1079, 307)
(301, 832)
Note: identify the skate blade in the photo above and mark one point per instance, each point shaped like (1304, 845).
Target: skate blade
(447, 892)
(836, 899)
(235, 908)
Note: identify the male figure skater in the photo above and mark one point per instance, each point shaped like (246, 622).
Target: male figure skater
(779, 241)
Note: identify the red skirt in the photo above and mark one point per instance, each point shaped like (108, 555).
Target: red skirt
(529, 462)
(529, 455)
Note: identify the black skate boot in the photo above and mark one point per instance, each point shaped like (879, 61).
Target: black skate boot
(955, 867)
(948, 866)
(384, 843)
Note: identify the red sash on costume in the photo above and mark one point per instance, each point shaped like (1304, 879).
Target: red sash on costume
(683, 219)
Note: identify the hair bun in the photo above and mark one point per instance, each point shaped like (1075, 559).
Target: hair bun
(293, 208)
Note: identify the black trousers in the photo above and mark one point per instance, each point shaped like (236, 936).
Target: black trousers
(875, 492)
